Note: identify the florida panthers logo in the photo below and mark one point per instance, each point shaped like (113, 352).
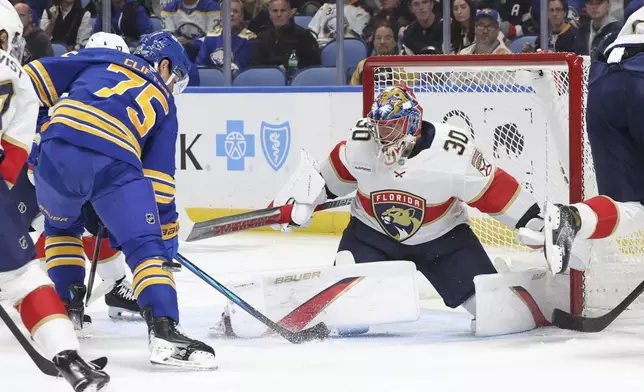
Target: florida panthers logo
(400, 214)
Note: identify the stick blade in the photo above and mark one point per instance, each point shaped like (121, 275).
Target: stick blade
(565, 320)
(319, 331)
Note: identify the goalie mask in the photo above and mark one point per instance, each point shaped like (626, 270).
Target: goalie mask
(11, 30)
(397, 121)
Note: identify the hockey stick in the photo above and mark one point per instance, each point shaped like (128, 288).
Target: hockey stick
(566, 320)
(92, 271)
(247, 220)
(319, 331)
(44, 365)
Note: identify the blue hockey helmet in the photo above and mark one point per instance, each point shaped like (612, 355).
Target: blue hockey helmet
(161, 45)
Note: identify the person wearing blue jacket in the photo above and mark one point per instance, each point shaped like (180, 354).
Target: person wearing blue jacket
(211, 52)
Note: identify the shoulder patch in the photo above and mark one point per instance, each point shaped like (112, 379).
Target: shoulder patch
(247, 34)
(480, 164)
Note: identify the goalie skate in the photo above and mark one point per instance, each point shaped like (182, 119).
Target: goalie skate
(169, 346)
(562, 223)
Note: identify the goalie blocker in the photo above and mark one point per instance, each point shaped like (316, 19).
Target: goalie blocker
(386, 292)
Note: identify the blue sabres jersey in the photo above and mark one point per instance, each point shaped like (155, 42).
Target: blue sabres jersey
(211, 52)
(116, 105)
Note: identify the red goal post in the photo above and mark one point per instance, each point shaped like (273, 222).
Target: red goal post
(470, 84)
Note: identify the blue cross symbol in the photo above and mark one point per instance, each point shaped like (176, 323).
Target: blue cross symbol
(234, 145)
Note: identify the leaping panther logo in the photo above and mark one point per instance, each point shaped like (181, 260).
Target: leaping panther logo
(400, 214)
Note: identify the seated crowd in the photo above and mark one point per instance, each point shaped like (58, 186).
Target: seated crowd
(291, 34)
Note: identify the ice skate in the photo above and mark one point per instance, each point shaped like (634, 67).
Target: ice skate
(169, 346)
(561, 226)
(81, 375)
(76, 310)
(122, 303)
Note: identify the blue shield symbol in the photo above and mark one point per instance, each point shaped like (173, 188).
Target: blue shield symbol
(276, 141)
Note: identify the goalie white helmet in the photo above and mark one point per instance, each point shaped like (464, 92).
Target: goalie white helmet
(11, 27)
(107, 40)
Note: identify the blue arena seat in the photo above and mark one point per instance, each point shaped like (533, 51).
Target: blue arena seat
(261, 76)
(211, 77)
(59, 49)
(303, 20)
(157, 24)
(316, 76)
(517, 44)
(354, 52)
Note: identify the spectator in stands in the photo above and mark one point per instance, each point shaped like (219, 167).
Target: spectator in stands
(516, 19)
(284, 43)
(189, 20)
(463, 15)
(324, 25)
(392, 12)
(487, 40)
(561, 29)
(211, 52)
(37, 9)
(384, 42)
(425, 33)
(67, 22)
(37, 44)
(595, 36)
(130, 20)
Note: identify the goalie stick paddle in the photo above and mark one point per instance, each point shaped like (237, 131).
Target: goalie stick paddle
(566, 320)
(319, 331)
(247, 220)
(44, 365)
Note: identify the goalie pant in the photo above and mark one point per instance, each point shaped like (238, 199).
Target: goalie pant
(449, 262)
(616, 136)
(26, 286)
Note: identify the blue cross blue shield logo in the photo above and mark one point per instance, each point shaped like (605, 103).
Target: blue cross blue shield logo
(235, 145)
(276, 142)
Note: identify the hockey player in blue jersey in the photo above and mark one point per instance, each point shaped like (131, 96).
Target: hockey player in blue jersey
(615, 124)
(111, 142)
(23, 284)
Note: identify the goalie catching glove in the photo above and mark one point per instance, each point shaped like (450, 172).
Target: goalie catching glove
(305, 189)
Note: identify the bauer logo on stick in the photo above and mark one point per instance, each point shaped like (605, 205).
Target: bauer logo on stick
(400, 214)
(276, 141)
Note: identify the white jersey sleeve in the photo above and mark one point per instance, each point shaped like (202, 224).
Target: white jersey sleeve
(491, 189)
(337, 169)
(19, 108)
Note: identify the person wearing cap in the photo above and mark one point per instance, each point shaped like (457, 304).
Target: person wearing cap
(486, 34)
(595, 36)
(562, 31)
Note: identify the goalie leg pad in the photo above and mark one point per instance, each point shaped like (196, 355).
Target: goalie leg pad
(518, 301)
(342, 296)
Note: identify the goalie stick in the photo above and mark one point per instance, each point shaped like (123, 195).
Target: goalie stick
(247, 220)
(44, 365)
(566, 320)
(318, 331)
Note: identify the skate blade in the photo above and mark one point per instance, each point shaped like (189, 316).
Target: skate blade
(121, 314)
(182, 365)
(552, 252)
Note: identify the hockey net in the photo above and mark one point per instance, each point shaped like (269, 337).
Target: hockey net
(526, 113)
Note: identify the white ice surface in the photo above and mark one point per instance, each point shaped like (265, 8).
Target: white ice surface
(437, 353)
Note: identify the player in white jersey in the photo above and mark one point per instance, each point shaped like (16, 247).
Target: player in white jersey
(22, 282)
(414, 180)
(615, 132)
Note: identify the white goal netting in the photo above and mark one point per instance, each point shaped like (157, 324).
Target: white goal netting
(526, 113)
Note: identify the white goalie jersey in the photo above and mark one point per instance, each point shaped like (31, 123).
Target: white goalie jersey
(427, 196)
(19, 109)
